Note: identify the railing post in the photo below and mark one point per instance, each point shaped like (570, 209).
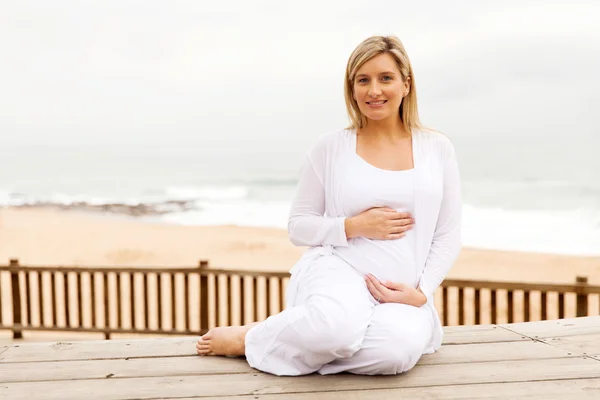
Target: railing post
(582, 297)
(16, 301)
(203, 264)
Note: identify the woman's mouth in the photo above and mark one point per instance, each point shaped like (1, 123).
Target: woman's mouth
(376, 104)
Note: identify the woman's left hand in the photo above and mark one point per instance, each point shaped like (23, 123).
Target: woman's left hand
(391, 292)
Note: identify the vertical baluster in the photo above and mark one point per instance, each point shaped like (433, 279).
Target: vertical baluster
(53, 298)
(461, 306)
(79, 288)
(146, 300)
(561, 305)
(229, 289)
(41, 296)
(132, 298)
(173, 303)
(27, 298)
(526, 301)
(544, 306)
(186, 301)
(445, 304)
(106, 306)
(159, 299)
(203, 303)
(242, 295)
(93, 297)
(216, 298)
(494, 300)
(477, 307)
(119, 302)
(66, 296)
(582, 297)
(255, 296)
(17, 329)
(510, 306)
(281, 294)
(269, 294)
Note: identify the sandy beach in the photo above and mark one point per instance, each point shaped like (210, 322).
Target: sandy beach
(55, 237)
(48, 237)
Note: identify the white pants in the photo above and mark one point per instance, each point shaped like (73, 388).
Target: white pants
(335, 325)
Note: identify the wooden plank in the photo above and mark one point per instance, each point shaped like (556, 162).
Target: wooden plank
(485, 352)
(193, 364)
(100, 349)
(259, 383)
(580, 344)
(555, 328)
(479, 334)
(103, 349)
(470, 328)
(580, 389)
(121, 368)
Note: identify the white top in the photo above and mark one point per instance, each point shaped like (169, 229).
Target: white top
(366, 186)
(327, 193)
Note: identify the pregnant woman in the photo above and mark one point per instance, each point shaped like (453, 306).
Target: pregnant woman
(379, 205)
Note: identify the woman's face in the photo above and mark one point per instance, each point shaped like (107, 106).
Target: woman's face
(379, 88)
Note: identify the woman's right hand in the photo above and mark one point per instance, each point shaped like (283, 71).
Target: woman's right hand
(380, 223)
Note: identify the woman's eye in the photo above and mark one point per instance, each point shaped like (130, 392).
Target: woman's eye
(362, 80)
(387, 78)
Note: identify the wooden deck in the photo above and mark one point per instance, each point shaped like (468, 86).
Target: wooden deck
(537, 360)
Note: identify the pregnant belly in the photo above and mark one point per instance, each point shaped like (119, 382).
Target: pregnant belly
(391, 260)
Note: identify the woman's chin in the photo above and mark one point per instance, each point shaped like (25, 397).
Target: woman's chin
(377, 116)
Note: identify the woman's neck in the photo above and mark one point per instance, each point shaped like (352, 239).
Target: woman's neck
(392, 128)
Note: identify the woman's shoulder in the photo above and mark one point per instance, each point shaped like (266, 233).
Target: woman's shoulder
(436, 140)
(332, 137)
(330, 141)
(434, 137)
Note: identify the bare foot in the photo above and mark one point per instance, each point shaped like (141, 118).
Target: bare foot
(224, 341)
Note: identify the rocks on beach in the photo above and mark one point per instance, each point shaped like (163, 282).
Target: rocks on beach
(133, 210)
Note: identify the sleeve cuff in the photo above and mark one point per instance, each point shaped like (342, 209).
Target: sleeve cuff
(426, 290)
(341, 228)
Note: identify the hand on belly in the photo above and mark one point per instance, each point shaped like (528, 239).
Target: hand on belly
(394, 292)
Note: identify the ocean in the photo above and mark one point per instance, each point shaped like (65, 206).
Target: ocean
(519, 194)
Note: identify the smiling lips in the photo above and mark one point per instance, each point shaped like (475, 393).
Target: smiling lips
(377, 103)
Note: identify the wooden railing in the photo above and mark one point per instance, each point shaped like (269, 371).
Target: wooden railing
(462, 302)
(189, 301)
(184, 301)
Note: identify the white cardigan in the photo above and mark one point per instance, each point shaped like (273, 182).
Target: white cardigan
(316, 219)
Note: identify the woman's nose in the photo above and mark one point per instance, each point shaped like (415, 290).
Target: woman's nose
(374, 90)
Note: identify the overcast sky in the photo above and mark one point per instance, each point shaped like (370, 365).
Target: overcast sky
(200, 72)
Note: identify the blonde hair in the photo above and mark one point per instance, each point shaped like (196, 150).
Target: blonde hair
(366, 50)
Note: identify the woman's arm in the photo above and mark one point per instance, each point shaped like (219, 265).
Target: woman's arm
(307, 224)
(446, 243)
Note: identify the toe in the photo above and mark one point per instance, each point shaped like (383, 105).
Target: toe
(203, 347)
(203, 350)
